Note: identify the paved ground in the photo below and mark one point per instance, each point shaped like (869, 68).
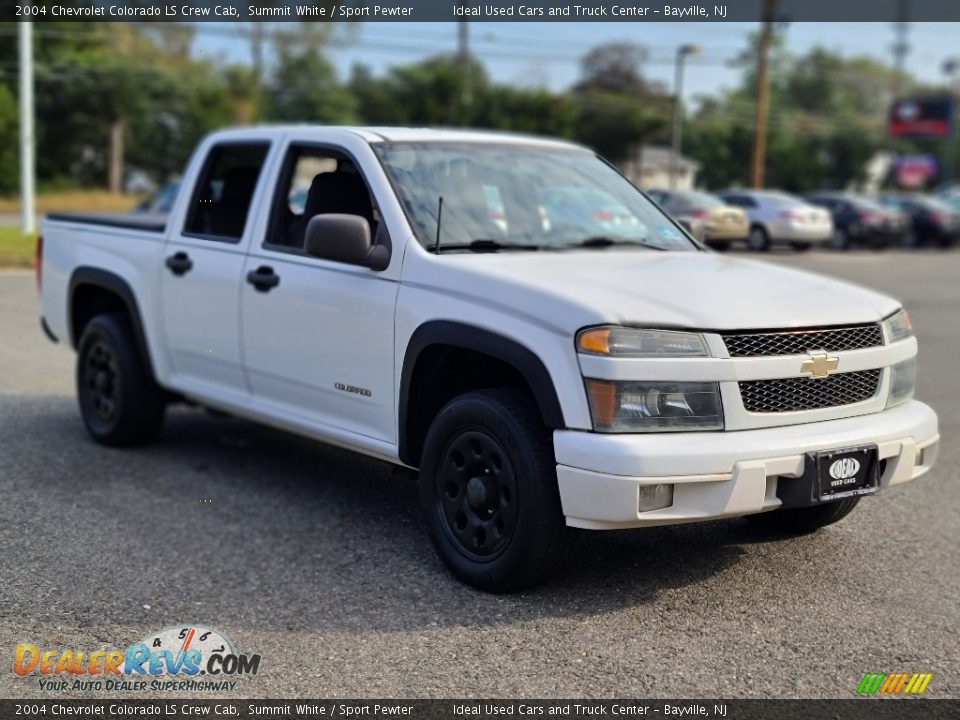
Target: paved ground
(317, 559)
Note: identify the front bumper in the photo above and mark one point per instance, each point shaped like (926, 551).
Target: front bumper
(724, 474)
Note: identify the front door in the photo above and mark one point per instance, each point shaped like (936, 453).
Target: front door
(318, 334)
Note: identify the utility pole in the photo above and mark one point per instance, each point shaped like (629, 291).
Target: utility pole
(763, 94)
(27, 220)
(951, 69)
(463, 59)
(677, 122)
(900, 46)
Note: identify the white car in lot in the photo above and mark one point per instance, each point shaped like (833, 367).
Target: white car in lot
(777, 217)
(538, 375)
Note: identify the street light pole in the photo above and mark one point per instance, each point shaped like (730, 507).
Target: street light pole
(26, 128)
(677, 121)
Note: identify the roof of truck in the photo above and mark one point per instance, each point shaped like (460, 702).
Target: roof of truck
(375, 134)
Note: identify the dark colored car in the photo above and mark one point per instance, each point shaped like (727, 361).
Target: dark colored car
(861, 221)
(932, 221)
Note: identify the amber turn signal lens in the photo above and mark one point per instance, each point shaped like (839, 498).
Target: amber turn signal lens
(603, 402)
(594, 341)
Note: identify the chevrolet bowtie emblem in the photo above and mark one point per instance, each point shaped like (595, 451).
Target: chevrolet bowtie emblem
(819, 366)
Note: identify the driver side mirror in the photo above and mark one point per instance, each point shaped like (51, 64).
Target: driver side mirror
(346, 239)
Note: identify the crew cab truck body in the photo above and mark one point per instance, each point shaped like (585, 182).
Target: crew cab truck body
(421, 306)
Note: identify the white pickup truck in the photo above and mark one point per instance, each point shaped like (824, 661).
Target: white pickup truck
(509, 316)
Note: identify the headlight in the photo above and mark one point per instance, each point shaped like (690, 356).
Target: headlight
(897, 327)
(903, 376)
(633, 342)
(654, 406)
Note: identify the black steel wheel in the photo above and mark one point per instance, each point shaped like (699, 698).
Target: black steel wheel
(488, 489)
(120, 402)
(100, 382)
(477, 494)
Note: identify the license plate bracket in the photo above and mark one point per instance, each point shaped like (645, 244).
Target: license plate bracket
(846, 473)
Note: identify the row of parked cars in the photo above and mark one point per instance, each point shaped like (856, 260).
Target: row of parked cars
(762, 218)
(758, 218)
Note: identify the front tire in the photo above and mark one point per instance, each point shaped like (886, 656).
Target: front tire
(840, 240)
(119, 401)
(488, 489)
(758, 240)
(801, 521)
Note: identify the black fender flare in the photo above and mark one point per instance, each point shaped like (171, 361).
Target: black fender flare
(470, 337)
(97, 277)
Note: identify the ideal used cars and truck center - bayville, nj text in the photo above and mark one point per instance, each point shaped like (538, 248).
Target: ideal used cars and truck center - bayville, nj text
(444, 301)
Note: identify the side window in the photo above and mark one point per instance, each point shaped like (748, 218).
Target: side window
(316, 181)
(221, 199)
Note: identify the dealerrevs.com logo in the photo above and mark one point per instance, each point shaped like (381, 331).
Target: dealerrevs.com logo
(172, 659)
(890, 684)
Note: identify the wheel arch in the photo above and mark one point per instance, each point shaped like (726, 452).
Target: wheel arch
(93, 290)
(440, 335)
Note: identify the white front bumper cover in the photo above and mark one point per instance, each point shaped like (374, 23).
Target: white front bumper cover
(724, 474)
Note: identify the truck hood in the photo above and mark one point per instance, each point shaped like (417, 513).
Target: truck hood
(699, 290)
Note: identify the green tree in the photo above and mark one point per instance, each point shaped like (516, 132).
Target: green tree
(303, 88)
(9, 131)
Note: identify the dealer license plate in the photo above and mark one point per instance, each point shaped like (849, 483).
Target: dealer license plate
(848, 472)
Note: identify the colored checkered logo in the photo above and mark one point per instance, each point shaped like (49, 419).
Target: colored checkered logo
(894, 683)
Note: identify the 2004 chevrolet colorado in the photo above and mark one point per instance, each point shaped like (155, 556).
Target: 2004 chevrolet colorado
(508, 315)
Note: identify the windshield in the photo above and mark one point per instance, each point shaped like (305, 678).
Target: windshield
(513, 196)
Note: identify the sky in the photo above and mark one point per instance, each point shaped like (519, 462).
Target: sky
(547, 54)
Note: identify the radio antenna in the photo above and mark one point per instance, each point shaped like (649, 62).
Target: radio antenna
(436, 244)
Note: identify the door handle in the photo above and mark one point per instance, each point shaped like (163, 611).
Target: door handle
(263, 278)
(179, 263)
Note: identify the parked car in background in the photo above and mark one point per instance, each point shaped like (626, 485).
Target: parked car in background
(575, 207)
(861, 221)
(722, 224)
(777, 217)
(932, 221)
(160, 202)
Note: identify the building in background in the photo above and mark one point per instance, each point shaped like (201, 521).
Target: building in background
(651, 167)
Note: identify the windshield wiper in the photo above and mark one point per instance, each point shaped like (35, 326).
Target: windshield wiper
(602, 241)
(485, 245)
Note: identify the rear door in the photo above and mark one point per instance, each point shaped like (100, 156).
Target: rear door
(202, 271)
(318, 334)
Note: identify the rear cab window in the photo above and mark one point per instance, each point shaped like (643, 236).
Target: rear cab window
(220, 205)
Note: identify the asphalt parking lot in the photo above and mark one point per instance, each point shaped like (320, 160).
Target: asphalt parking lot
(317, 559)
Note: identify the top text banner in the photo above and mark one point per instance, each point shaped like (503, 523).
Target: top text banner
(877, 11)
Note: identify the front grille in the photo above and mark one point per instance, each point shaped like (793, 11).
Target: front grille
(803, 393)
(798, 342)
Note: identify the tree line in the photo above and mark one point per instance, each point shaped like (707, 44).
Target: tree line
(115, 97)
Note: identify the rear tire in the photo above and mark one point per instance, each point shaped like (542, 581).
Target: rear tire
(840, 240)
(758, 240)
(719, 245)
(489, 493)
(119, 401)
(800, 521)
